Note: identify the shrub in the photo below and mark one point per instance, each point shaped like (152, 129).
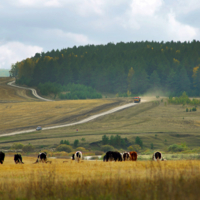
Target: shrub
(83, 139)
(64, 147)
(106, 148)
(177, 148)
(17, 146)
(152, 146)
(28, 148)
(136, 147)
(130, 148)
(186, 110)
(80, 149)
(64, 142)
(194, 109)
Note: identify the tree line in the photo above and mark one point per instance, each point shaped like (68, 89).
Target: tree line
(131, 68)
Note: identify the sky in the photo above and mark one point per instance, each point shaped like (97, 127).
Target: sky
(31, 26)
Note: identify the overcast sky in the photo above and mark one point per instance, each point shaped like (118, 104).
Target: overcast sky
(30, 26)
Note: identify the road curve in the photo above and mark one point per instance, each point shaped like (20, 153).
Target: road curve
(34, 92)
(75, 123)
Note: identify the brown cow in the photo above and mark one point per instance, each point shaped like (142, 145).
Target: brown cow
(133, 155)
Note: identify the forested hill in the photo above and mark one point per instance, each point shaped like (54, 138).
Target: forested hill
(136, 67)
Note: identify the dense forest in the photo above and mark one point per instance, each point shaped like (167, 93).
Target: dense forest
(124, 68)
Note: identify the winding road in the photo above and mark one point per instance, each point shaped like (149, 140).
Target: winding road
(70, 124)
(34, 92)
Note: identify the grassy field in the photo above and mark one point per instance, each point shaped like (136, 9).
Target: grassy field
(161, 125)
(33, 114)
(99, 180)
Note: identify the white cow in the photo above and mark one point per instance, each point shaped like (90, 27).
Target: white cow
(78, 156)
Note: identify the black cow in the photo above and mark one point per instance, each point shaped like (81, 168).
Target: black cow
(73, 157)
(112, 155)
(2, 156)
(18, 159)
(42, 157)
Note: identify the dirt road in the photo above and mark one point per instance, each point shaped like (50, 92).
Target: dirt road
(34, 92)
(78, 122)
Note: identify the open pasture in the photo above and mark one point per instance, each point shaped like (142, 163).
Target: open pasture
(32, 114)
(99, 180)
(161, 125)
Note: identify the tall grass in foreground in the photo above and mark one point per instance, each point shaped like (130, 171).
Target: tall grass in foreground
(152, 180)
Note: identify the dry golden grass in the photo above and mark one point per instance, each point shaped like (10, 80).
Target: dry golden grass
(11, 94)
(100, 180)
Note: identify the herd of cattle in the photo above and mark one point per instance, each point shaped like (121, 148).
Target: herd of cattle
(109, 156)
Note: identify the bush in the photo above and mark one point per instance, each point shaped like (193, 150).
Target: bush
(135, 147)
(106, 148)
(194, 109)
(186, 110)
(17, 146)
(28, 148)
(64, 147)
(177, 148)
(80, 149)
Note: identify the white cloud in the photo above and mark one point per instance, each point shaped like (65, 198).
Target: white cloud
(79, 39)
(178, 31)
(12, 52)
(145, 7)
(88, 7)
(185, 6)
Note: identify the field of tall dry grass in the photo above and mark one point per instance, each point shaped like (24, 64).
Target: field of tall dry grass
(100, 180)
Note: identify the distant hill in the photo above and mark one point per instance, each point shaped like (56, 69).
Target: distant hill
(123, 68)
(4, 72)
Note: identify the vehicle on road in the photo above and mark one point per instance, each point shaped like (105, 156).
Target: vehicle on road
(137, 99)
(39, 128)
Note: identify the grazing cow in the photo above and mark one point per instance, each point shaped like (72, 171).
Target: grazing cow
(18, 159)
(112, 155)
(77, 156)
(133, 155)
(2, 156)
(126, 156)
(42, 157)
(157, 156)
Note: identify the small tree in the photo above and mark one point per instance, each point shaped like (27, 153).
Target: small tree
(66, 142)
(105, 140)
(138, 141)
(61, 142)
(152, 146)
(76, 142)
